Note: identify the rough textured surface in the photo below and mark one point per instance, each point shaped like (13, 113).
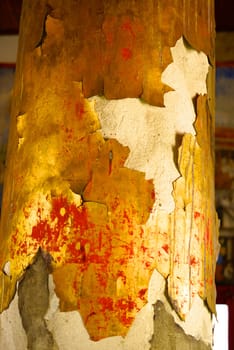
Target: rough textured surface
(169, 336)
(33, 304)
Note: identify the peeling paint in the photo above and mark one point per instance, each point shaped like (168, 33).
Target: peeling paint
(150, 132)
(12, 334)
(109, 186)
(88, 235)
(130, 42)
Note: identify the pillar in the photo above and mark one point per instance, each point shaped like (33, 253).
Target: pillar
(108, 229)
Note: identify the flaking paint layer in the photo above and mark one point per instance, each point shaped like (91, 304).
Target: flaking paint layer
(88, 222)
(103, 242)
(183, 214)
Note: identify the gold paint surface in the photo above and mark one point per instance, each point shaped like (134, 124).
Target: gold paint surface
(73, 198)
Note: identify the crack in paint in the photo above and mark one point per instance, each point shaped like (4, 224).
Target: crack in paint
(41, 41)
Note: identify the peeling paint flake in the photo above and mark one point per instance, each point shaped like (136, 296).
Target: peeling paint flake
(194, 230)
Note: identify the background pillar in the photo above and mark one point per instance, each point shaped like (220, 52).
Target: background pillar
(109, 175)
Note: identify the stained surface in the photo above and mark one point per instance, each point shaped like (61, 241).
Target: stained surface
(67, 189)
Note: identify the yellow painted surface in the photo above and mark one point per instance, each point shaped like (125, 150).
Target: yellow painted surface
(194, 223)
(75, 200)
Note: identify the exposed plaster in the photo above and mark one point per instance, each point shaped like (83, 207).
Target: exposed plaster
(12, 334)
(7, 268)
(33, 303)
(150, 132)
(68, 330)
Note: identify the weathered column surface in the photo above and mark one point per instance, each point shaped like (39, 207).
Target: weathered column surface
(108, 201)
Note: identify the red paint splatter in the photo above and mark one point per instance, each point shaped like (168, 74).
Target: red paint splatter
(80, 218)
(127, 27)
(60, 210)
(141, 293)
(79, 109)
(40, 230)
(106, 304)
(143, 248)
(197, 215)
(193, 261)
(100, 240)
(210, 281)
(50, 234)
(125, 306)
(126, 53)
(126, 217)
(115, 203)
(122, 275)
(148, 264)
(90, 315)
(165, 247)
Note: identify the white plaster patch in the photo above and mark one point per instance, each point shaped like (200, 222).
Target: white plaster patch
(70, 334)
(12, 334)
(149, 131)
(7, 268)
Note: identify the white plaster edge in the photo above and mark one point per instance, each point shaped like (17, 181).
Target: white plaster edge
(12, 333)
